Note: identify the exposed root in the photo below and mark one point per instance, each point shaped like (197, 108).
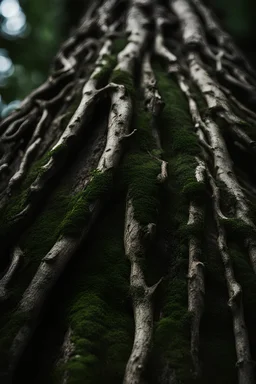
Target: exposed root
(196, 275)
(12, 134)
(159, 46)
(57, 258)
(26, 161)
(194, 39)
(138, 20)
(154, 105)
(67, 351)
(224, 170)
(16, 257)
(215, 98)
(223, 39)
(141, 299)
(245, 364)
(84, 111)
(192, 32)
(152, 99)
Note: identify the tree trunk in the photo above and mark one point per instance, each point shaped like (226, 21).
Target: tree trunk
(127, 202)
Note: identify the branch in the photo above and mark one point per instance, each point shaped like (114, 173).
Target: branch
(16, 257)
(196, 289)
(53, 264)
(246, 370)
(141, 298)
(138, 20)
(152, 99)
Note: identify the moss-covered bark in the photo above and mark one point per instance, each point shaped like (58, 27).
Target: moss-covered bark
(135, 216)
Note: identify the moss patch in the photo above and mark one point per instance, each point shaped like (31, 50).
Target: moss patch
(237, 230)
(81, 204)
(103, 75)
(119, 44)
(140, 175)
(19, 198)
(172, 335)
(35, 243)
(121, 77)
(98, 313)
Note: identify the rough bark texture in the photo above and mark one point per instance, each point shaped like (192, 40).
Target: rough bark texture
(141, 299)
(130, 166)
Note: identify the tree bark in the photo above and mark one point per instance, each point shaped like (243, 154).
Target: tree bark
(144, 107)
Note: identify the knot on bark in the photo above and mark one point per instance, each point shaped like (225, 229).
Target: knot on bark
(244, 361)
(150, 231)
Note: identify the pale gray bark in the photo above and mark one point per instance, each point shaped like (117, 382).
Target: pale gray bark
(16, 257)
(196, 288)
(67, 350)
(195, 63)
(57, 258)
(141, 298)
(245, 364)
(136, 29)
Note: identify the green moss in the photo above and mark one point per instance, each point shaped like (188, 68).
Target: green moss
(19, 198)
(140, 169)
(102, 328)
(121, 77)
(172, 335)
(175, 122)
(195, 191)
(119, 44)
(103, 75)
(140, 176)
(35, 243)
(44, 232)
(172, 331)
(189, 230)
(143, 139)
(58, 151)
(237, 229)
(62, 214)
(80, 205)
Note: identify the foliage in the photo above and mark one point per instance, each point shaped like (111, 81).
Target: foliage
(43, 29)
